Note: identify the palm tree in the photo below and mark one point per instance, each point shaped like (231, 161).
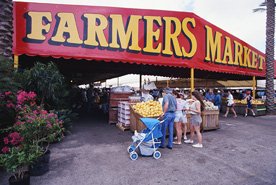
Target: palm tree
(6, 28)
(269, 51)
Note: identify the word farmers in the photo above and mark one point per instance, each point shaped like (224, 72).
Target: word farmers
(101, 31)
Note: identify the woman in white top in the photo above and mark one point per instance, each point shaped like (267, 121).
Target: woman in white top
(180, 118)
(230, 105)
(195, 109)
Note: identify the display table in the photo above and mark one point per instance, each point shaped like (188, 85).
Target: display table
(210, 120)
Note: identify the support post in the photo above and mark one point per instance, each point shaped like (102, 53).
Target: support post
(254, 87)
(140, 81)
(15, 61)
(168, 83)
(118, 82)
(192, 79)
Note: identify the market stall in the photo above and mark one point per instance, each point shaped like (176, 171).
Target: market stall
(210, 116)
(91, 43)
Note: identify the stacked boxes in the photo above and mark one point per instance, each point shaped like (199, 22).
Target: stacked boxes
(114, 100)
(124, 113)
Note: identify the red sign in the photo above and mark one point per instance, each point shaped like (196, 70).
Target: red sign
(131, 35)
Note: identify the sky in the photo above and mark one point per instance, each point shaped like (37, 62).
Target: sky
(236, 18)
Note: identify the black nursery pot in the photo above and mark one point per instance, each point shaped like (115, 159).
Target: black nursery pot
(24, 181)
(41, 166)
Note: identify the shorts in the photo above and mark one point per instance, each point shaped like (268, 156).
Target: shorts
(179, 117)
(196, 119)
(230, 106)
(249, 106)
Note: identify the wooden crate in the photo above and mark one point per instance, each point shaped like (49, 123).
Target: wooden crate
(135, 122)
(210, 119)
(113, 115)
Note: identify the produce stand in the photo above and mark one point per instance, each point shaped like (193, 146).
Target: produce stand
(259, 109)
(210, 120)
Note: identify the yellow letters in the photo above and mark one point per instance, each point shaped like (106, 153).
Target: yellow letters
(37, 25)
(246, 56)
(68, 25)
(213, 47)
(169, 36)
(261, 61)
(238, 54)
(124, 36)
(150, 34)
(94, 30)
(190, 36)
(227, 52)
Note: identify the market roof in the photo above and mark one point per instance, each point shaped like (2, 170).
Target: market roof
(169, 41)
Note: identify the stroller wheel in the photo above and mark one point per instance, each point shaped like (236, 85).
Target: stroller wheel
(130, 149)
(133, 156)
(156, 155)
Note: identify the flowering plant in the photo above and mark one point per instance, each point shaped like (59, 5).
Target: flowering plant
(26, 98)
(16, 156)
(38, 126)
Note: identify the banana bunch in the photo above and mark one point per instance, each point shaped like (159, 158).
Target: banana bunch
(148, 109)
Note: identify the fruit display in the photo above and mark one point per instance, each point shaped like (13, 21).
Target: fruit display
(209, 105)
(254, 102)
(148, 109)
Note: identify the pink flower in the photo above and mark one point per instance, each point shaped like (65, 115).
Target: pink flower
(19, 123)
(5, 150)
(43, 112)
(23, 96)
(8, 93)
(16, 138)
(6, 140)
(49, 125)
(10, 105)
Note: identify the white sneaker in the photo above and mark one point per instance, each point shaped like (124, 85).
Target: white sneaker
(185, 138)
(198, 145)
(189, 141)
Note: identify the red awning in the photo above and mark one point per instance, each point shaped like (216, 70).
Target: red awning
(150, 37)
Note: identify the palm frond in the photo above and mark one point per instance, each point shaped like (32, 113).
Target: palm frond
(259, 10)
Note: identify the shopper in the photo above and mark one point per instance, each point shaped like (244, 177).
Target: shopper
(217, 99)
(146, 96)
(230, 105)
(180, 118)
(195, 109)
(209, 96)
(169, 107)
(249, 104)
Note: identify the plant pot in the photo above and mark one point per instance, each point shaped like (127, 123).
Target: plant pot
(24, 181)
(41, 166)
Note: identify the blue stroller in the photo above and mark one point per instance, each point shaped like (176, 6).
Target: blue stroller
(147, 141)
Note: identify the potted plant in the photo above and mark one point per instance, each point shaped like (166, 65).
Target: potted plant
(16, 156)
(41, 127)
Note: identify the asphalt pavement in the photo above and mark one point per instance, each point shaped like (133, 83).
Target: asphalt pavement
(241, 152)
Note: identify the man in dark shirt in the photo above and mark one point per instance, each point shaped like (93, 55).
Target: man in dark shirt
(217, 99)
(169, 107)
